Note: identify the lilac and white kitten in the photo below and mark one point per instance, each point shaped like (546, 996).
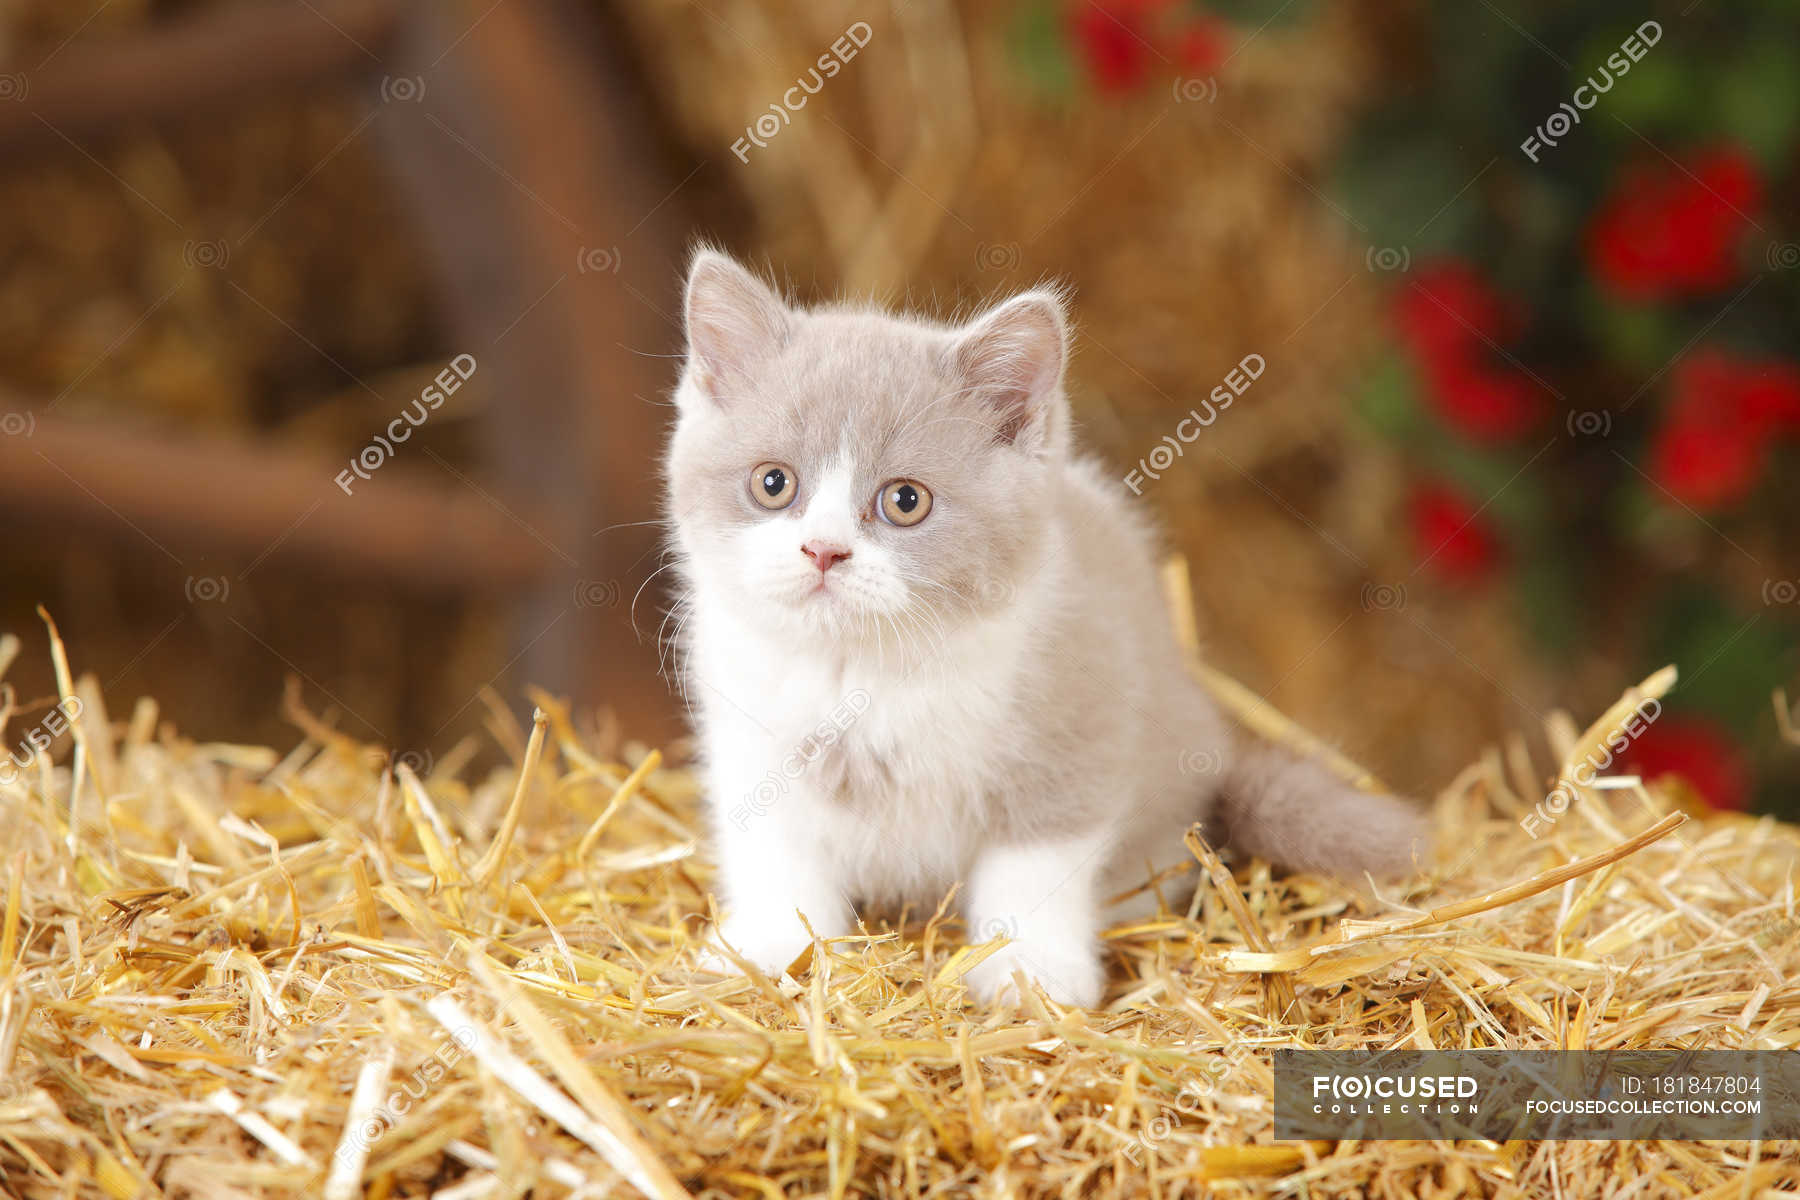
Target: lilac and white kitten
(926, 645)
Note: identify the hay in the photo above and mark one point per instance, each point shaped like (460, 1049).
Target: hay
(248, 973)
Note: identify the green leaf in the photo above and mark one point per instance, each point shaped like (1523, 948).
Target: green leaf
(1640, 336)
(1042, 50)
(1388, 399)
(1730, 661)
(1757, 102)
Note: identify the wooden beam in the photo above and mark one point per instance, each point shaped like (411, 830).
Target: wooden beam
(259, 503)
(234, 54)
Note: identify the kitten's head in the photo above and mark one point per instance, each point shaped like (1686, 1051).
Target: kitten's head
(851, 474)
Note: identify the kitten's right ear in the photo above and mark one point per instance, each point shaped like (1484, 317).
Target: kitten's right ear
(733, 321)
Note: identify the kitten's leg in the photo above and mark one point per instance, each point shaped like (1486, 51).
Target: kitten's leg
(1043, 896)
(772, 867)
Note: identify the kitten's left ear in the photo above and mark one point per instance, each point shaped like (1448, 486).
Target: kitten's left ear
(734, 321)
(1012, 360)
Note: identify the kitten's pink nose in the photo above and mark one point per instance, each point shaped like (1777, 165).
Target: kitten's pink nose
(825, 555)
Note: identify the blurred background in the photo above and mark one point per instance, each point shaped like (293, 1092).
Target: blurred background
(335, 336)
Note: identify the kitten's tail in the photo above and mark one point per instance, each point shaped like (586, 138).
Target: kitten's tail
(1294, 812)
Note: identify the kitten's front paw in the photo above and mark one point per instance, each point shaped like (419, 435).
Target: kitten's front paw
(1069, 973)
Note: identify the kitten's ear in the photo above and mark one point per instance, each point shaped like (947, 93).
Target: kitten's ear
(1012, 360)
(733, 321)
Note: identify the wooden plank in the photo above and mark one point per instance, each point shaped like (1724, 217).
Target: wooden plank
(264, 504)
(113, 87)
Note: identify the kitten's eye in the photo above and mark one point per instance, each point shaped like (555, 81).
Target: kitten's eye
(904, 502)
(773, 485)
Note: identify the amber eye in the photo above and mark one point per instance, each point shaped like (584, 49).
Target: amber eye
(904, 502)
(773, 485)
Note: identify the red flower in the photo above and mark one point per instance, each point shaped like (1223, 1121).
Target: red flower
(1707, 466)
(1699, 752)
(1486, 404)
(1671, 230)
(1722, 413)
(1449, 534)
(1448, 312)
(1111, 40)
(1768, 398)
(1122, 42)
(1450, 318)
(1202, 47)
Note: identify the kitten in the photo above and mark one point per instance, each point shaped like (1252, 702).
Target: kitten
(926, 645)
